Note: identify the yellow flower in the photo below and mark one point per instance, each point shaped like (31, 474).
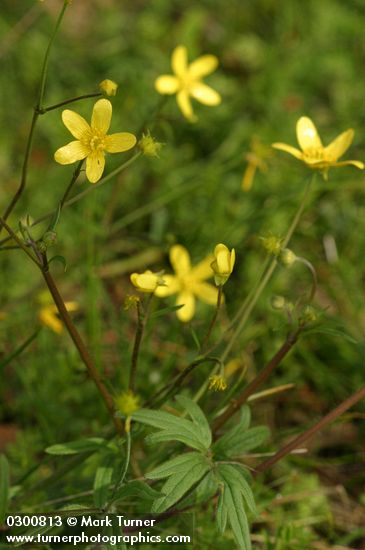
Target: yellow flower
(217, 383)
(47, 314)
(313, 153)
(92, 139)
(147, 281)
(186, 81)
(108, 87)
(127, 402)
(223, 263)
(188, 282)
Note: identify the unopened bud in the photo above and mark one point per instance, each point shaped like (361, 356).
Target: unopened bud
(287, 257)
(149, 146)
(278, 302)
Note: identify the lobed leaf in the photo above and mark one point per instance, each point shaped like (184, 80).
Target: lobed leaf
(173, 466)
(198, 417)
(75, 447)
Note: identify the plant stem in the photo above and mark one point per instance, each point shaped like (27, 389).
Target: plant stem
(298, 441)
(20, 243)
(75, 175)
(81, 348)
(19, 350)
(260, 379)
(38, 107)
(142, 316)
(214, 319)
(67, 101)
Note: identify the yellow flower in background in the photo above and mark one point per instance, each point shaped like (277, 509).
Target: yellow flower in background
(223, 263)
(108, 87)
(187, 82)
(92, 139)
(48, 313)
(188, 283)
(217, 382)
(313, 153)
(147, 281)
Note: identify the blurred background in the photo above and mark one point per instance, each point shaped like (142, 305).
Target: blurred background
(278, 61)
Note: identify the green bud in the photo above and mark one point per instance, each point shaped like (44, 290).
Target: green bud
(278, 302)
(309, 315)
(287, 257)
(271, 244)
(149, 146)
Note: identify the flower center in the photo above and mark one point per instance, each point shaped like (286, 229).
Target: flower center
(96, 141)
(314, 154)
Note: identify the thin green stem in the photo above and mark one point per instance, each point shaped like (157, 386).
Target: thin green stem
(142, 316)
(213, 320)
(67, 102)
(19, 350)
(29, 144)
(82, 194)
(75, 175)
(314, 277)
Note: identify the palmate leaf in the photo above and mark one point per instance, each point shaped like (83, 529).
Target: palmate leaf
(195, 433)
(174, 466)
(240, 439)
(179, 483)
(234, 492)
(138, 489)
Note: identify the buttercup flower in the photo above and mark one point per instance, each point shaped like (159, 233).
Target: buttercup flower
(188, 282)
(108, 87)
(186, 81)
(147, 281)
(47, 313)
(313, 153)
(223, 263)
(92, 139)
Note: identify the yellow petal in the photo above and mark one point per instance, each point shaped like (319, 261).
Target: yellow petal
(206, 292)
(180, 260)
(179, 60)
(72, 306)
(75, 124)
(71, 152)
(338, 146)
(118, 143)
(356, 163)
(202, 66)
(288, 149)
(167, 84)
(307, 134)
(50, 320)
(205, 94)
(172, 286)
(95, 166)
(102, 115)
(248, 176)
(183, 102)
(185, 313)
(203, 269)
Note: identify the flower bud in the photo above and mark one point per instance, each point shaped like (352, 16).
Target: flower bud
(149, 146)
(287, 257)
(127, 402)
(147, 281)
(309, 315)
(108, 87)
(278, 302)
(223, 263)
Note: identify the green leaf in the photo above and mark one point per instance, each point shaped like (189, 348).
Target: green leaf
(332, 332)
(198, 417)
(170, 425)
(247, 441)
(60, 259)
(102, 481)
(76, 447)
(174, 465)
(177, 485)
(138, 489)
(233, 476)
(230, 504)
(4, 487)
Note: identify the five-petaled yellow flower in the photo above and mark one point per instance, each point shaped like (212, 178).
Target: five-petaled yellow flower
(188, 282)
(186, 81)
(147, 281)
(313, 153)
(223, 263)
(92, 139)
